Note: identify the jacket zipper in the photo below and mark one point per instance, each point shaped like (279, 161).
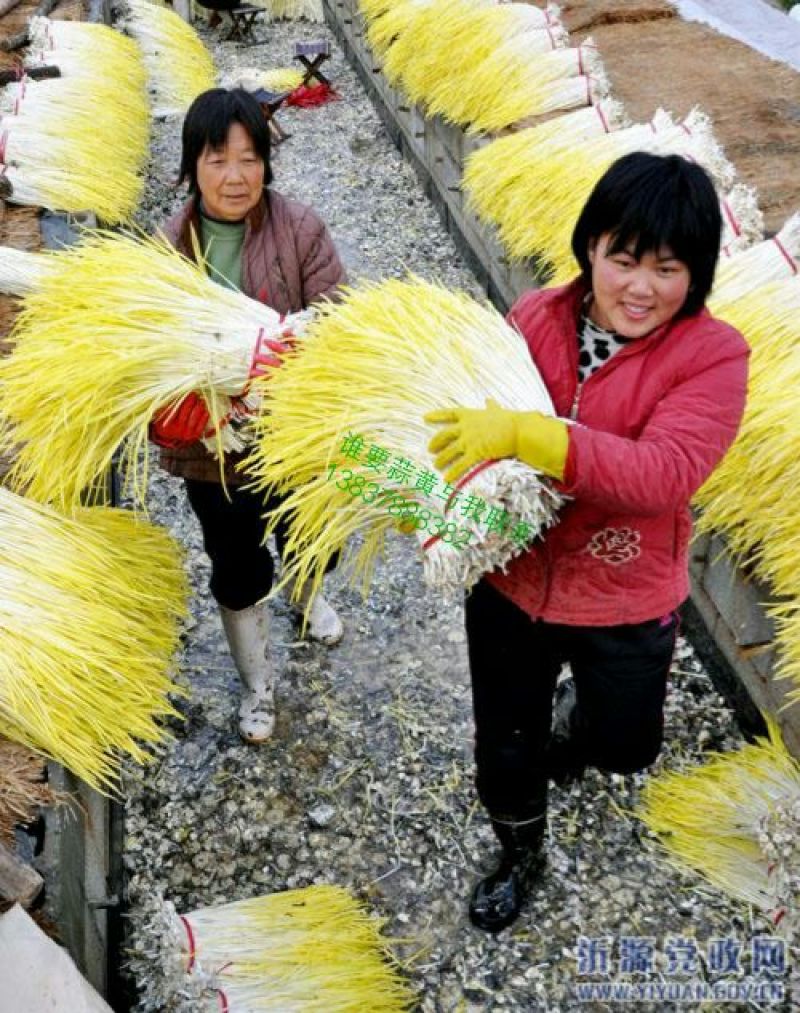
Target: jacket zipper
(573, 412)
(627, 350)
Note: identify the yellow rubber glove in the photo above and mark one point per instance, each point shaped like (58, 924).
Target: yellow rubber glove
(472, 435)
(405, 527)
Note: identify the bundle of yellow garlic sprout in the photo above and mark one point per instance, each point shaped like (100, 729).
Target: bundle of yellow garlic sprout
(102, 76)
(313, 949)
(277, 79)
(769, 261)
(751, 497)
(369, 368)
(61, 129)
(486, 67)
(90, 52)
(20, 270)
(89, 624)
(118, 328)
(101, 70)
(83, 103)
(46, 34)
(46, 166)
(535, 207)
(386, 21)
(510, 83)
(464, 20)
(735, 821)
(179, 67)
(494, 173)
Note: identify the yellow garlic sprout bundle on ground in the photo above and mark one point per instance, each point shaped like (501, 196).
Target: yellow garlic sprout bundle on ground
(58, 170)
(370, 367)
(536, 212)
(313, 949)
(752, 497)
(772, 260)
(464, 20)
(118, 328)
(485, 67)
(87, 52)
(493, 173)
(486, 97)
(112, 108)
(60, 130)
(372, 9)
(102, 72)
(735, 821)
(89, 621)
(82, 38)
(95, 55)
(387, 21)
(20, 270)
(277, 79)
(179, 67)
(481, 23)
(81, 107)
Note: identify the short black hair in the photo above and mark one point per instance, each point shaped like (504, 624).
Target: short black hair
(208, 120)
(655, 201)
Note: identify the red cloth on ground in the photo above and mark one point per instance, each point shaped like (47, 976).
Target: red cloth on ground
(306, 96)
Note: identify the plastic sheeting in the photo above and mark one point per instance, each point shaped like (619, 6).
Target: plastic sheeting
(754, 22)
(37, 975)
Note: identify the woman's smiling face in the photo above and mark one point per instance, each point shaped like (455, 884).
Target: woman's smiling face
(632, 297)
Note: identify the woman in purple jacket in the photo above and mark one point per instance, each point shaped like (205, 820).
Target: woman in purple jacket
(278, 251)
(648, 390)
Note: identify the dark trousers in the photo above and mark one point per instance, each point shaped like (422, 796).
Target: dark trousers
(242, 568)
(620, 675)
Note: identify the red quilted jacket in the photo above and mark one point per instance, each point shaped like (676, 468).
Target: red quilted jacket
(652, 424)
(288, 262)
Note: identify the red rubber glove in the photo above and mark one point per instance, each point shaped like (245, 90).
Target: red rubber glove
(262, 361)
(181, 424)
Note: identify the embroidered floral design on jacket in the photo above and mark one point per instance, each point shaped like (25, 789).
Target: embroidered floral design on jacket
(615, 545)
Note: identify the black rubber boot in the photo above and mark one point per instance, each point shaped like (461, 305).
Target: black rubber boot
(565, 763)
(497, 900)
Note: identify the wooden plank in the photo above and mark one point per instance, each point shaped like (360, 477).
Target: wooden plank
(733, 608)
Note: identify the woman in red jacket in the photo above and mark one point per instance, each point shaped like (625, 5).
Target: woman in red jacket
(648, 390)
(280, 252)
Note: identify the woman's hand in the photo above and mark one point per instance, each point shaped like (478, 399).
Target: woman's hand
(472, 435)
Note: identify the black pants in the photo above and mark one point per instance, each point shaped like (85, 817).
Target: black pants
(242, 568)
(620, 675)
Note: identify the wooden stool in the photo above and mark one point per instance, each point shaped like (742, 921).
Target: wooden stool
(312, 55)
(270, 102)
(243, 21)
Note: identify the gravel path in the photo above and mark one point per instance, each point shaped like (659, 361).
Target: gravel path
(368, 780)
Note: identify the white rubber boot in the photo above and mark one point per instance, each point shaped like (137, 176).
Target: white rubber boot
(247, 632)
(323, 623)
